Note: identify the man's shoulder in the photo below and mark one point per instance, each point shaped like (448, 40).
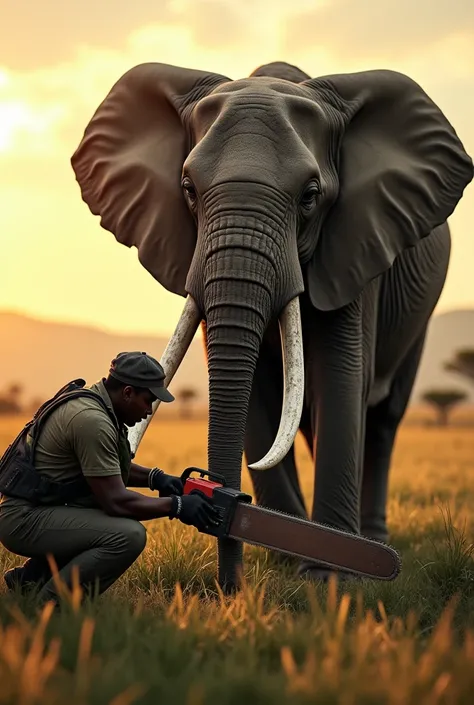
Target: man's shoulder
(85, 411)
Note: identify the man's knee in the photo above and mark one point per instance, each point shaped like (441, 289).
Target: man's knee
(134, 534)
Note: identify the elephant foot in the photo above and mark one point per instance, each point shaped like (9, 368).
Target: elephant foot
(230, 588)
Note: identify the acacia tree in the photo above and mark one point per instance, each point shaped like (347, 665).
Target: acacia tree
(444, 401)
(462, 364)
(185, 396)
(10, 400)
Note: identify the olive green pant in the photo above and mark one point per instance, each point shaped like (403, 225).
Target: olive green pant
(101, 546)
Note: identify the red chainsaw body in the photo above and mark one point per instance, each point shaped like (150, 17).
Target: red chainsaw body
(207, 487)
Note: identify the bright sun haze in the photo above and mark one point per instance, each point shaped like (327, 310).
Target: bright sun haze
(59, 60)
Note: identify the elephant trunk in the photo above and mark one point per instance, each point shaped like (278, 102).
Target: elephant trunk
(237, 313)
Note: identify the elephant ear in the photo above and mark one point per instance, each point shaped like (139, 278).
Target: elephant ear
(129, 161)
(402, 170)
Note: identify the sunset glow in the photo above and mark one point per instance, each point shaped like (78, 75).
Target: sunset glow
(16, 119)
(60, 62)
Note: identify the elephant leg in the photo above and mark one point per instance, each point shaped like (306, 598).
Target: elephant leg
(277, 488)
(382, 422)
(336, 383)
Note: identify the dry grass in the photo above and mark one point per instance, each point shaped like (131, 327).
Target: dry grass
(164, 633)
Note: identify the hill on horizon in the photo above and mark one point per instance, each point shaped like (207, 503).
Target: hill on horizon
(44, 355)
(448, 332)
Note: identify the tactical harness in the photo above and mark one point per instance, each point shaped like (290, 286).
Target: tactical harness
(19, 477)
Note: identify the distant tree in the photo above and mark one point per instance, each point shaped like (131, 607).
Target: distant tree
(444, 400)
(462, 364)
(8, 407)
(10, 400)
(15, 392)
(185, 397)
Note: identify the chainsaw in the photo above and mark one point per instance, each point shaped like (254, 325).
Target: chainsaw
(332, 548)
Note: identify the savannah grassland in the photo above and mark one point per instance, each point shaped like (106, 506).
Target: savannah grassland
(165, 635)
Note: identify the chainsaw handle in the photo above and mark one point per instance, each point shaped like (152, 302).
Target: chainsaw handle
(224, 499)
(214, 477)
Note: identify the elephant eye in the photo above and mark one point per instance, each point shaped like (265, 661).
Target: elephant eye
(310, 196)
(189, 190)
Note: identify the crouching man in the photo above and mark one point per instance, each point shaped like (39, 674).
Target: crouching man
(69, 497)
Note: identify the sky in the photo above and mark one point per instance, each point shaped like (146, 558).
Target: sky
(59, 59)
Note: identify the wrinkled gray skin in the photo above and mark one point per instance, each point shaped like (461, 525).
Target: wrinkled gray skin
(247, 231)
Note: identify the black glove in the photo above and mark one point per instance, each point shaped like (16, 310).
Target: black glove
(195, 509)
(167, 485)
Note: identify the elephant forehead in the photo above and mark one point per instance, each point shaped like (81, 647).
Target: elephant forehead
(282, 102)
(256, 134)
(261, 84)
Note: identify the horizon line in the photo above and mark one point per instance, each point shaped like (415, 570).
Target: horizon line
(75, 323)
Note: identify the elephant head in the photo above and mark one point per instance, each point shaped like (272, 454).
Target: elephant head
(244, 194)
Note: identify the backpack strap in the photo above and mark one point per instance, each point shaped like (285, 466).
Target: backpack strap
(18, 475)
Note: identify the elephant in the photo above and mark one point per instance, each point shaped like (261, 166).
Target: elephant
(304, 222)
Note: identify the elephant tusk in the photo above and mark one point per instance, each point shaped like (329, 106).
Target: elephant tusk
(170, 361)
(293, 390)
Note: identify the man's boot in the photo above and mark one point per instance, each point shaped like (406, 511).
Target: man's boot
(34, 573)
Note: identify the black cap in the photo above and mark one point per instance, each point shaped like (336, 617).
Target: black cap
(140, 370)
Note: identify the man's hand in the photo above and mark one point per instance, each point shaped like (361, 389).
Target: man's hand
(167, 485)
(196, 510)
